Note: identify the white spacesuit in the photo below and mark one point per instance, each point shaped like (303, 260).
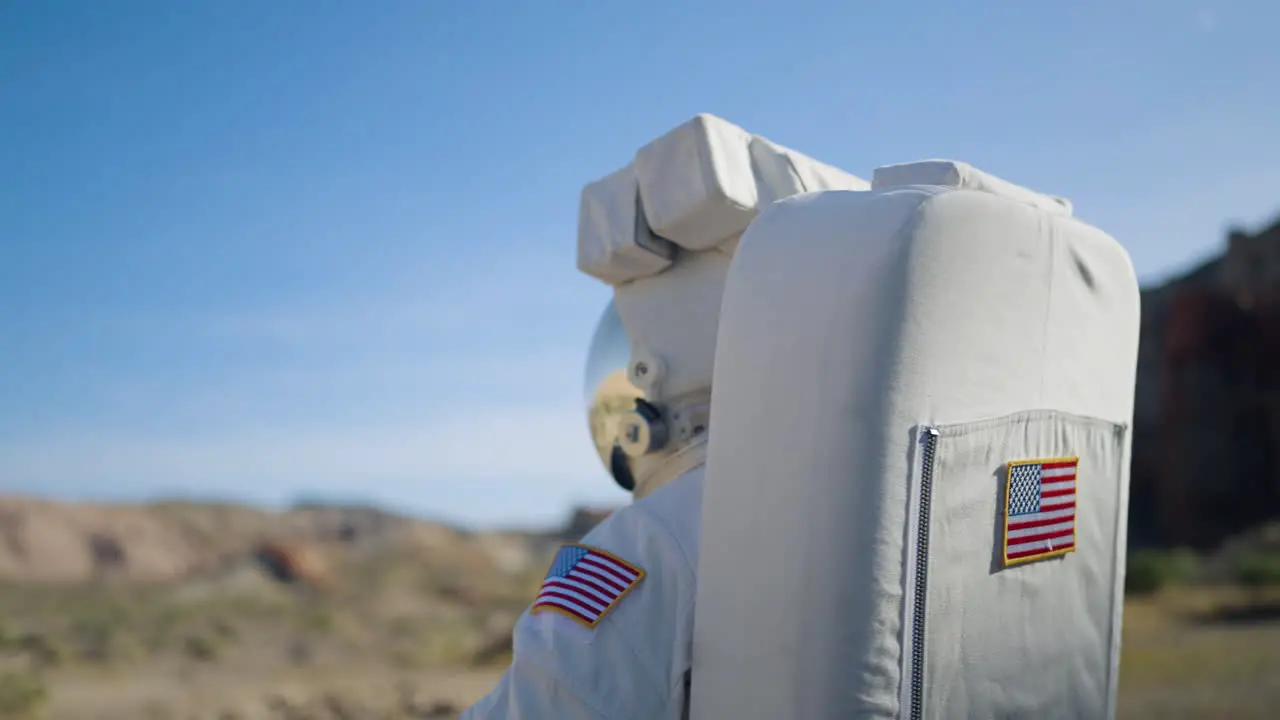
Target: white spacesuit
(609, 634)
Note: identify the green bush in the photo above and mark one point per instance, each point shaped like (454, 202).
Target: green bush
(22, 696)
(1149, 571)
(1258, 570)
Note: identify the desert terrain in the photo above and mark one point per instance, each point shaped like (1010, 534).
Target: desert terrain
(204, 611)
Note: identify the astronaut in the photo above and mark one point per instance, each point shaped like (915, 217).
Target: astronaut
(609, 634)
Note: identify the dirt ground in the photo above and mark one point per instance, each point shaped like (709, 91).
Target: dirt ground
(414, 621)
(1186, 655)
(1196, 654)
(223, 694)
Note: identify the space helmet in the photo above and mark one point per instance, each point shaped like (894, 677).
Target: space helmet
(624, 423)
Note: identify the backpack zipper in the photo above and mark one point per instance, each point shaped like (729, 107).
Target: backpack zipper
(918, 577)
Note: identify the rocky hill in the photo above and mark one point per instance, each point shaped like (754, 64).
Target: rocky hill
(1206, 457)
(225, 607)
(53, 542)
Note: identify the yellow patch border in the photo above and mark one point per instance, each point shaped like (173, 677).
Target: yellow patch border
(1008, 486)
(640, 575)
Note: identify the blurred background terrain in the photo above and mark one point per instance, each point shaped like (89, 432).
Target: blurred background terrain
(220, 611)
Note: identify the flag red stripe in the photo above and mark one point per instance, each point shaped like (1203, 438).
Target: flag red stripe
(625, 573)
(1051, 507)
(1057, 493)
(558, 606)
(569, 599)
(1040, 523)
(601, 578)
(591, 599)
(624, 570)
(551, 591)
(1041, 537)
(578, 574)
(1041, 551)
(1062, 464)
(608, 567)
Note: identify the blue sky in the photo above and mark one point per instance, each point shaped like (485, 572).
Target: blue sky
(268, 249)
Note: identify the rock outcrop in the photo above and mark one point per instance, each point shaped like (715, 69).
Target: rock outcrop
(44, 541)
(1207, 420)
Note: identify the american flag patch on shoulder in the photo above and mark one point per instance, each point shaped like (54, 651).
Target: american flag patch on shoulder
(585, 583)
(1040, 509)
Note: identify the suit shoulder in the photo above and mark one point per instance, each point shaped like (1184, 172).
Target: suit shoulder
(661, 526)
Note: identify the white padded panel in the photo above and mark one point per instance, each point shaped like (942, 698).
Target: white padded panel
(696, 182)
(696, 187)
(703, 182)
(781, 172)
(615, 243)
(955, 174)
(848, 321)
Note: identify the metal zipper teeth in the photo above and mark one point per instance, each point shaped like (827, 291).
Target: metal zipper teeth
(929, 442)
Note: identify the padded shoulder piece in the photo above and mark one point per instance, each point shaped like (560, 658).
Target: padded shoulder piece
(909, 385)
(615, 243)
(954, 174)
(696, 188)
